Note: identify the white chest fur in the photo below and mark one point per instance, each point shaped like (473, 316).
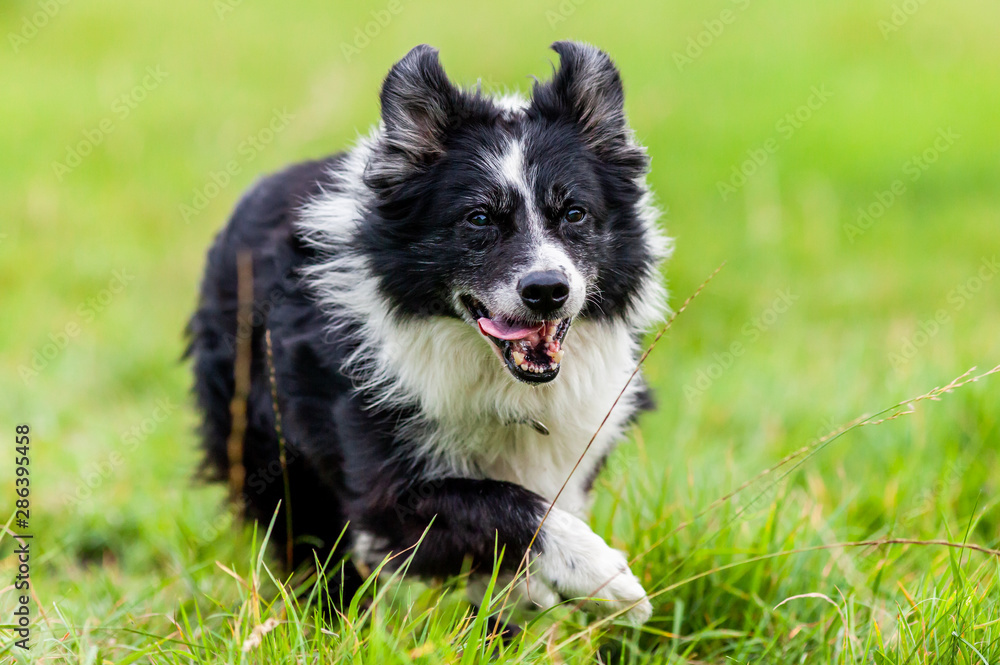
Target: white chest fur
(469, 403)
(474, 411)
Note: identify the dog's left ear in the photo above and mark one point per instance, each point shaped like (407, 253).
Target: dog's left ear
(588, 87)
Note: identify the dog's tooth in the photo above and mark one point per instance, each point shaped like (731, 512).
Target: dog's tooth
(518, 357)
(558, 356)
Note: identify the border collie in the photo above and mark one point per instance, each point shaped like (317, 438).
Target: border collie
(454, 304)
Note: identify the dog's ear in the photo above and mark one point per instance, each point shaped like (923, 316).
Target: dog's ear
(588, 89)
(418, 101)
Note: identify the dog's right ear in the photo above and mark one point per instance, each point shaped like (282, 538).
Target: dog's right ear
(417, 102)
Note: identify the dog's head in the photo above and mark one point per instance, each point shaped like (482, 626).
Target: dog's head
(517, 217)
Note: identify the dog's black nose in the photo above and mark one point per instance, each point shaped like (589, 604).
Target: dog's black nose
(544, 291)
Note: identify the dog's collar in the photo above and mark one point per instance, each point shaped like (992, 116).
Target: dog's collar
(536, 425)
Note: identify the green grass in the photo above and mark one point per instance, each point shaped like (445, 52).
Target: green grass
(129, 557)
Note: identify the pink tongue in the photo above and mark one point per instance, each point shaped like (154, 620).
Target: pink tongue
(504, 330)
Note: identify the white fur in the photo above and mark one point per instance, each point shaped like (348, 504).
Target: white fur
(512, 169)
(471, 409)
(577, 563)
(650, 306)
(552, 256)
(528, 593)
(548, 255)
(368, 548)
(511, 102)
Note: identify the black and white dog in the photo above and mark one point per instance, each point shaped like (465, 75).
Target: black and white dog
(454, 305)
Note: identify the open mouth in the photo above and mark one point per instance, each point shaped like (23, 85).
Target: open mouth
(532, 350)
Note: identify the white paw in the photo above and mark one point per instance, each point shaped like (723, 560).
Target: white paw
(577, 563)
(531, 595)
(368, 549)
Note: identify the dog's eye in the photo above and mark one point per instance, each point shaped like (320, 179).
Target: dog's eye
(575, 215)
(479, 219)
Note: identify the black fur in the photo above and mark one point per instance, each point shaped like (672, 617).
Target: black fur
(346, 461)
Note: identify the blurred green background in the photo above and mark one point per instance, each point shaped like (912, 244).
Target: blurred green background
(843, 158)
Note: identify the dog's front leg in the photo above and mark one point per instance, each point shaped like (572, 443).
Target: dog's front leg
(458, 518)
(577, 563)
